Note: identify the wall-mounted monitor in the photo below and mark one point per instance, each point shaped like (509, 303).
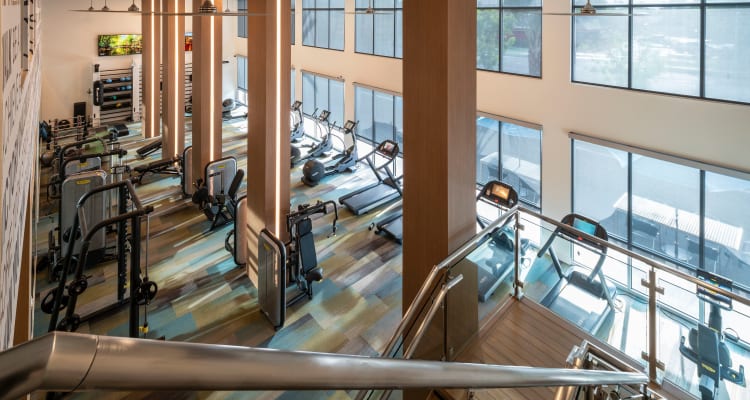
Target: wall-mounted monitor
(120, 44)
(188, 41)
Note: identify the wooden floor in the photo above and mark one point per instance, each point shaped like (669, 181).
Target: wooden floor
(521, 334)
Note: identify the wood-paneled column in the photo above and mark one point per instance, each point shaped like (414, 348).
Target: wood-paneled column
(439, 91)
(207, 40)
(151, 26)
(268, 60)
(173, 94)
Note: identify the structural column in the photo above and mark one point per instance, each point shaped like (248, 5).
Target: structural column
(173, 94)
(151, 26)
(269, 63)
(206, 89)
(439, 91)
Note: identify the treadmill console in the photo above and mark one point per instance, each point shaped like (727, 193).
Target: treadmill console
(388, 149)
(499, 194)
(711, 296)
(586, 225)
(297, 104)
(323, 117)
(349, 126)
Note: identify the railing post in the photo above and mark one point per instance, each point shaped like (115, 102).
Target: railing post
(517, 284)
(652, 360)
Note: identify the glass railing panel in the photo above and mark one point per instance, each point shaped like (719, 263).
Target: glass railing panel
(686, 344)
(576, 292)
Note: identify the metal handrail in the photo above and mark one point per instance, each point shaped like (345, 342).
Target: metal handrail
(61, 361)
(650, 262)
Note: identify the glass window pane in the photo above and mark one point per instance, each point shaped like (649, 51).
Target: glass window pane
(308, 93)
(321, 28)
(522, 3)
(600, 52)
(600, 186)
(488, 3)
(322, 3)
(384, 32)
(597, 3)
(321, 94)
(399, 121)
(383, 3)
(488, 39)
(488, 150)
(727, 227)
(383, 115)
(666, 203)
(363, 113)
(308, 3)
(292, 85)
(728, 53)
(522, 161)
(666, 50)
(363, 40)
(336, 4)
(336, 102)
(293, 28)
(337, 30)
(522, 42)
(308, 28)
(399, 51)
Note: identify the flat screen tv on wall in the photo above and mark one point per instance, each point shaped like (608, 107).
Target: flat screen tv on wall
(120, 45)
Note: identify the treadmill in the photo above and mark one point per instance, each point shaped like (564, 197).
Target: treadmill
(582, 297)
(385, 190)
(392, 226)
(496, 268)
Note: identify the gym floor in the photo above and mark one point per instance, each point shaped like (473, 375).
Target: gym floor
(204, 297)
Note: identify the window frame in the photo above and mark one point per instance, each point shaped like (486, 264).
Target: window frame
(627, 241)
(313, 11)
(328, 79)
(394, 11)
(530, 125)
(500, 8)
(242, 20)
(703, 6)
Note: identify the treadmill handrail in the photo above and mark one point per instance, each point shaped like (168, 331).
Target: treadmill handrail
(61, 361)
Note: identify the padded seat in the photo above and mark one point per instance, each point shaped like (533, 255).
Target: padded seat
(308, 255)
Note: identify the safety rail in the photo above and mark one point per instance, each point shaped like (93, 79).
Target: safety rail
(514, 216)
(64, 362)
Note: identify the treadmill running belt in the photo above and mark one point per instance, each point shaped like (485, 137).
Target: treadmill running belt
(363, 202)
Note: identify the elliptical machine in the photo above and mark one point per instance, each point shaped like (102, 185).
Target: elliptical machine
(296, 122)
(706, 346)
(318, 149)
(313, 170)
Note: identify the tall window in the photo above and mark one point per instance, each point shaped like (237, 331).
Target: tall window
(323, 23)
(653, 203)
(293, 21)
(380, 116)
(322, 93)
(380, 33)
(242, 20)
(686, 47)
(292, 84)
(509, 36)
(242, 79)
(511, 151)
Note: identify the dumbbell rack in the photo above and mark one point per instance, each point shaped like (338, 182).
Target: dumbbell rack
(121, 97)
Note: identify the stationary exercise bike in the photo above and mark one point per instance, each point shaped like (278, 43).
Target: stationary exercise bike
(706, 343)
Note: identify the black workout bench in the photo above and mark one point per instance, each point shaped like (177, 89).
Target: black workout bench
(163, 167)
(149, 148)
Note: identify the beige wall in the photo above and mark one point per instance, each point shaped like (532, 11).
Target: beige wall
(709, 131)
